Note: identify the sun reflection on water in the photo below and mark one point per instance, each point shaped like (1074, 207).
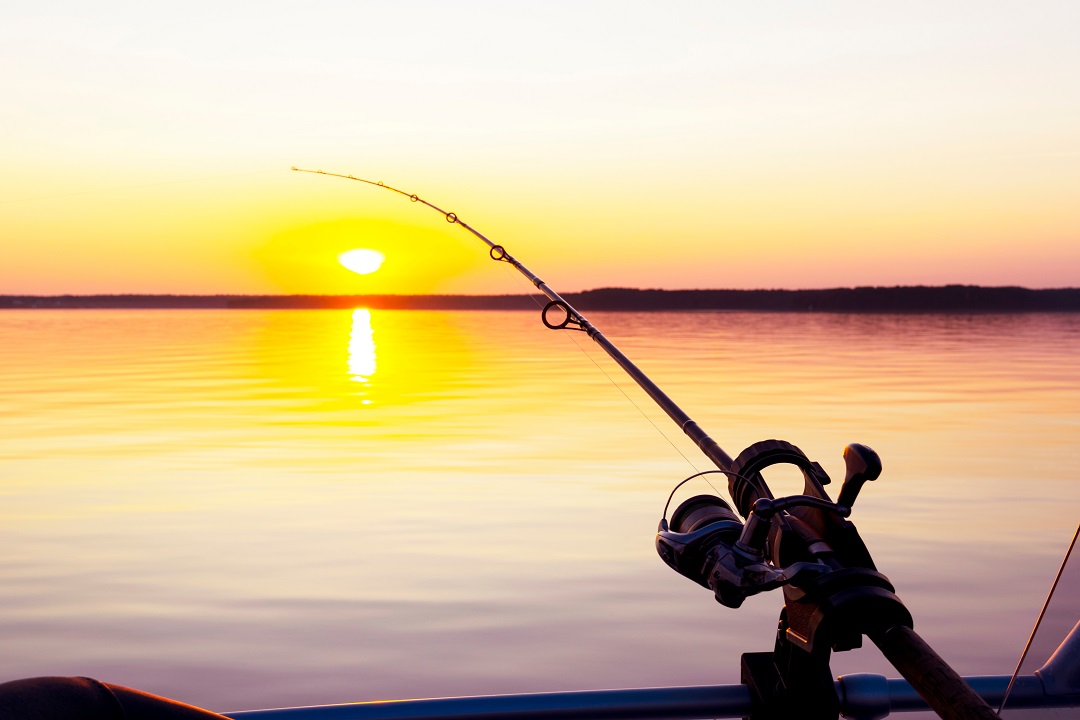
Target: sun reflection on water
(361, 347)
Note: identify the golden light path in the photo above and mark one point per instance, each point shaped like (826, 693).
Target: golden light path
(361, 347)
(362, 260)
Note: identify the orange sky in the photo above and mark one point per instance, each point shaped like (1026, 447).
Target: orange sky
(147, 149)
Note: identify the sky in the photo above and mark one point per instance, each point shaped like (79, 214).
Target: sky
(146, 147)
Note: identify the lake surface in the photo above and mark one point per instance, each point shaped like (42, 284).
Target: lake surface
(248, 509)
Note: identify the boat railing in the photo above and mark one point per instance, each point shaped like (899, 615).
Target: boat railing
(863, 696)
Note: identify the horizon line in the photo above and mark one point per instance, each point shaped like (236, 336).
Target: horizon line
(944, 286)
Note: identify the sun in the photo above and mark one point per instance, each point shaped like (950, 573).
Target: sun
(362, 260)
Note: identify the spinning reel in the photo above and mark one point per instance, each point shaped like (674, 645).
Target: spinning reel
(784, 540)
(833, 594)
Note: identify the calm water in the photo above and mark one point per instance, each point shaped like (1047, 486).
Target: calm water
(251, 509)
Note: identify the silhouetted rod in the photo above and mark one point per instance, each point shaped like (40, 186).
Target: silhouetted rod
(940, 686)
(706, 444)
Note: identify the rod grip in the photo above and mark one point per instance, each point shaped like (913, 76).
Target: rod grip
(938, 684)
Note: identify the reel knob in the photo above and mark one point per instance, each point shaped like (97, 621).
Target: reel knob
(863, 464)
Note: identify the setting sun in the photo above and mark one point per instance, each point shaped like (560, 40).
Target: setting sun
(362, 261)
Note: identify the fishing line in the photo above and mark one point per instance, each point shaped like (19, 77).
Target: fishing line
(638, 408)
(1038, 621)
(625, 394)
(701, 474)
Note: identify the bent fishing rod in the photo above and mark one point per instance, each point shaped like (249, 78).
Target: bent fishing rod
(571, 319)
(804, 544)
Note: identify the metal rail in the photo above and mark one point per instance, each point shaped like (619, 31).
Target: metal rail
(863, 696)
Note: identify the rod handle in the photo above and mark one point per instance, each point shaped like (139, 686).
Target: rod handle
(939, 685)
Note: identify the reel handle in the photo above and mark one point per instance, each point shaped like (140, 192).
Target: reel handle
(863, 464)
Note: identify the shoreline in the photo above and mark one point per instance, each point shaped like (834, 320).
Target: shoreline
(899, 299)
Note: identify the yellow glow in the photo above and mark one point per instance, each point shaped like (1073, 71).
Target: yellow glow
(362, 261)
(361, 345)
(311, 257)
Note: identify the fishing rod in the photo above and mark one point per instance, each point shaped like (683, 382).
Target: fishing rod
(804, 544)
(571, 319)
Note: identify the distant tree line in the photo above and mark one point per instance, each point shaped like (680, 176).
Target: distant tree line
(909, 299)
